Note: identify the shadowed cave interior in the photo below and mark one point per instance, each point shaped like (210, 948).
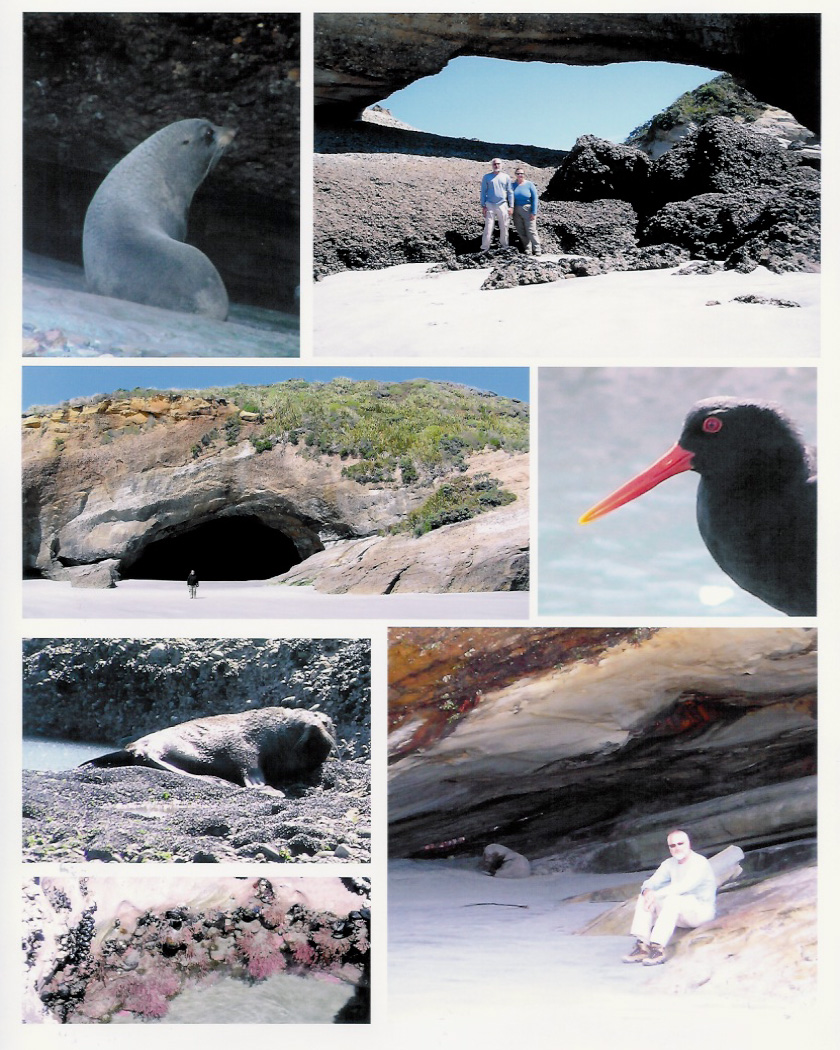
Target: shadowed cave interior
(235, 548)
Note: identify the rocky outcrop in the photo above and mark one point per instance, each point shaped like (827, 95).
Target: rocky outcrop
(595, 170)
(96, 85)
(725, 192)
(586, 743)
(115, 690)
(105, 482)
(488, 553)
(95, 949)
(137, 815)
(362, 58)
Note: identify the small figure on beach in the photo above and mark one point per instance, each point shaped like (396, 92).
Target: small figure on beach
(496, 203)
(192, 583)
(526, 204)
(681, 892)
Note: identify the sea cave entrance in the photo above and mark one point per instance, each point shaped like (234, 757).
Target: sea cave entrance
(240, 547)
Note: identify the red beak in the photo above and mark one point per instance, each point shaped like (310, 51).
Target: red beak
(675, 461)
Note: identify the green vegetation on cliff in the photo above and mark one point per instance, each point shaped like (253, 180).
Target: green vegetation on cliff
(721, 97)
(396, 431)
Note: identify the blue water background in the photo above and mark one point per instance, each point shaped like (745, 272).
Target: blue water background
(39, 753)
(598, 427)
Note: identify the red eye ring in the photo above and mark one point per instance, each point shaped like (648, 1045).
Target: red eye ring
(712, 424)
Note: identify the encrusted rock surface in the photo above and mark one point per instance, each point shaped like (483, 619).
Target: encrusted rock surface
(138, 815)
(96, 950)
(118, 689)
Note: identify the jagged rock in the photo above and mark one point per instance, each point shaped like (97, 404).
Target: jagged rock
(504, 863)
(597, 227)
(596, 169)
(722, 156)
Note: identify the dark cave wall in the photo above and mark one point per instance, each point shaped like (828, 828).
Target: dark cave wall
(96, 85)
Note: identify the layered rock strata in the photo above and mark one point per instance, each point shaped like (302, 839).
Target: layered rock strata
(104, 481)
(588, 742)
(360, 59)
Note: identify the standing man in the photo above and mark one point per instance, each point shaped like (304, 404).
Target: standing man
(496, 203)
(526, 204)
(681, 892)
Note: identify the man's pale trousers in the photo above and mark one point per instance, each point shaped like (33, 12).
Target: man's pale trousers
(670, 911)
(495, 212)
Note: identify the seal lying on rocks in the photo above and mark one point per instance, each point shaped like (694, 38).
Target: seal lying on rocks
(137, 221)
(262, 748)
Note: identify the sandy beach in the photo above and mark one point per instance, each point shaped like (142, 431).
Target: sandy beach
(412, 312)
(504, 956)
(145, 599)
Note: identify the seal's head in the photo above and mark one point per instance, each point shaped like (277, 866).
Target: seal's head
(193, 147)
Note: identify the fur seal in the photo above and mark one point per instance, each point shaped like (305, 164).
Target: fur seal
(262, 748)
(137, 221)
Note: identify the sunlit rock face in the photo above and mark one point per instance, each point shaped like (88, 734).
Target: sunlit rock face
(102, 948)
(566, 740)
(138, 486)
(360, 59)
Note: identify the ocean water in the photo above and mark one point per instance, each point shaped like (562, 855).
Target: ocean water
(598, 427)
(281, 999)
(60, 754)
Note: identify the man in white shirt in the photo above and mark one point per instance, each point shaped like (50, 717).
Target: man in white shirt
(681, 892)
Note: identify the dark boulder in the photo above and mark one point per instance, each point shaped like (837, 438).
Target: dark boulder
(595, 169)
(722, 156)
(598, 227)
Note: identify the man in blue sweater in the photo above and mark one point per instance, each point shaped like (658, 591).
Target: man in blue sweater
(681, 892)
(526, 204)
(496, 203)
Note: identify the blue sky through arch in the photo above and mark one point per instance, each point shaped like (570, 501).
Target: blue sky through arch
(541, 103)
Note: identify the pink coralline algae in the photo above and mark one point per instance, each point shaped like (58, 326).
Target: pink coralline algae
(139, 972)
(148, 994)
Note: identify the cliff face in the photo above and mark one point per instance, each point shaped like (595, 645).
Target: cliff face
(586, 743)
(116, 487)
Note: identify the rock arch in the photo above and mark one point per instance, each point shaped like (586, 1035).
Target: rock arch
(362, 58)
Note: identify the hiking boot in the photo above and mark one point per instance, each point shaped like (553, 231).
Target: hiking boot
(640, 952)
(655, 957)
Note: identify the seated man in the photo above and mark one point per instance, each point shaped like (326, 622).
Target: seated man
(681, 892)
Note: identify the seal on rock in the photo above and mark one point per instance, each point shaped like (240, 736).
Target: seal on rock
(133, 241)
(262, 748)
